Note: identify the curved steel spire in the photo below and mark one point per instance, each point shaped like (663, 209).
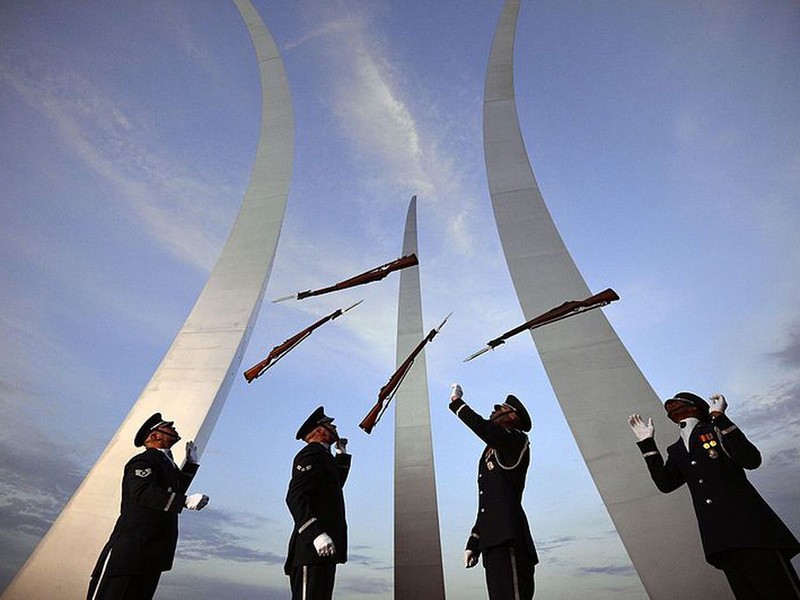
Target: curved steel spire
(193, 380)
(596, 381)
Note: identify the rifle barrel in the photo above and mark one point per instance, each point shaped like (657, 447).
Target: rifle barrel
(369, 276)
(287, 345)
(567, 309)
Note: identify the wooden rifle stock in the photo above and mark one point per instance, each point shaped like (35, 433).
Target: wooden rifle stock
(563, 311)
(372, 417)
(375, 274)
(279, 350)
(388, 391)
(284, 347)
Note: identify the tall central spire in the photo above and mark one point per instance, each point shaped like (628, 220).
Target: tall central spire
(417, 549)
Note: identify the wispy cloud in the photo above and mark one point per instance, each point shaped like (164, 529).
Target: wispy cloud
(549, 544)
(375, 114)
(401, 136)
(214, 534)
(770, 420)
(179, 209)
(365, 586)
(348, 25)
(35, 482)
(366, 99)
(191, 586)
(790, 355)
(364, 556)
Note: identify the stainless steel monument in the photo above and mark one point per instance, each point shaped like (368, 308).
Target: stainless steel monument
(417, 548)
(193, 380)
(596, 381)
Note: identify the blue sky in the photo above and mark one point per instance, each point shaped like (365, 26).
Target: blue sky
(664, 137)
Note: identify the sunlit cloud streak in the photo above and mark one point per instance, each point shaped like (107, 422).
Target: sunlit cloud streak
(176, 207)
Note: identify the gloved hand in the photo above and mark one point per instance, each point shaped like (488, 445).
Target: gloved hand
(341, 446)
(718, 404)
(196, 501)
(641, 430)
(456, 392)
(470, 560)
(191, 453)
(324, 545)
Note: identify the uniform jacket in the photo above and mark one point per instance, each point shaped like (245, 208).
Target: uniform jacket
(501, 481)
(146, 532)
(316, 501)
(730, 512)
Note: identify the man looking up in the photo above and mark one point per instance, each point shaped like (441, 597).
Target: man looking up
(501, 529)
(741, 534)
(316, 500)
(142, 544)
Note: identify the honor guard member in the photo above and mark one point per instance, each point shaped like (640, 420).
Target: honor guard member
(143, 541)
(501, 531)
(316, 501)
(741, 534)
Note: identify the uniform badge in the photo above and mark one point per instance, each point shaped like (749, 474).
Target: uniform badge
(142, 472)
(489, 465)
(710, 444)
(303, 469)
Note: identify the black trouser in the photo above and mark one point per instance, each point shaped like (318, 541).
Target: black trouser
(312, 582)
(509, 572)
(759, 574)
(124, 587)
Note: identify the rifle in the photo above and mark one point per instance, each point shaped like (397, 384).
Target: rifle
(375, 274)
(570, 308)
(388, 391)
(284, 347)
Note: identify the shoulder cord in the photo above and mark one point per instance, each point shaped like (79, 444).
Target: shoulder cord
(519, 460)
(719, 437)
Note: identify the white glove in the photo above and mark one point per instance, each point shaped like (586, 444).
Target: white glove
(191, 453)
(196, 501)
(341, 446)
(324, 545)
(470, 560)
(718, 404)
(456, 393)
(640, 429)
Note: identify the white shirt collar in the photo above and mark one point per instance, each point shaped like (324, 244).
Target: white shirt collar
(687, 426)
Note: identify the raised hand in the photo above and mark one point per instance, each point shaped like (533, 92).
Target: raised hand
(640, 429)
(456, 392)
(717, 404)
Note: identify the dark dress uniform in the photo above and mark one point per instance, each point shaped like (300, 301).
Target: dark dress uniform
(501, 532)
(316, 501)
(143, 541)
(741, 534)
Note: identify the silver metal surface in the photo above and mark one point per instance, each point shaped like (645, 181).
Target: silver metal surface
(596, 381)
(417, 549)
(192, 381)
